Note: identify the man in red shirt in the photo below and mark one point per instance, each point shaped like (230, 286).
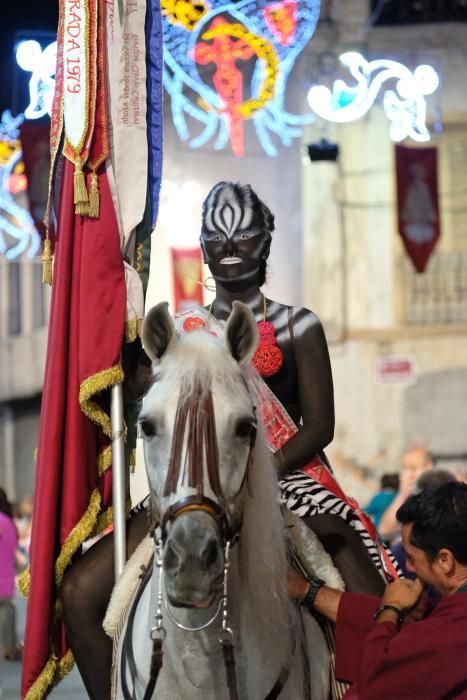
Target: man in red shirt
(386, 655)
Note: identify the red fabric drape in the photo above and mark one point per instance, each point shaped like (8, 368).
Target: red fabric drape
(187, 278)
(73, 488)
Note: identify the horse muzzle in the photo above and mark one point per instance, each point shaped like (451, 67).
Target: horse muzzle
(193, 560)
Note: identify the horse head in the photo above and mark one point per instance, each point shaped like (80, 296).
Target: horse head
(198, 424)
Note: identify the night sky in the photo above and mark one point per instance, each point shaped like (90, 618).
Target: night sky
(20, 16)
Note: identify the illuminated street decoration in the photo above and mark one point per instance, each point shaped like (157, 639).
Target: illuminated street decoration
(17, 231)
(405, 105)
(230, 63)
(41, 64)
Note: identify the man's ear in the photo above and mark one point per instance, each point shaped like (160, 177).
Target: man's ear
(446, 561)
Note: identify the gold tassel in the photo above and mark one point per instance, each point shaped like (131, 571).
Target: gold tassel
(47, 259)
(94, 208)
(82, 209)
(79, 187)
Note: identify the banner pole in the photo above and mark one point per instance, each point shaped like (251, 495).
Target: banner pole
(118, 479)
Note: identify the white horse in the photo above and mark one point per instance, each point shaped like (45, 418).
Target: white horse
(212, 619)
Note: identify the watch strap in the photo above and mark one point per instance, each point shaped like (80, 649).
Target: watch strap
(309, 600)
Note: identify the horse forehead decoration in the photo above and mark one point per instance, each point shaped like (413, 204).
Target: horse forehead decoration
(227, 63)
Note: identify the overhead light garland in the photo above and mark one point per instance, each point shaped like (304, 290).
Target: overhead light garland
(404, 103)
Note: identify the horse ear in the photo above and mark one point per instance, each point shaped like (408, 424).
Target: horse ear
(241, 333)
(158, 331)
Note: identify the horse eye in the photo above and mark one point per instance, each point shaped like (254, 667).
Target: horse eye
(148, 428)
(245, 429)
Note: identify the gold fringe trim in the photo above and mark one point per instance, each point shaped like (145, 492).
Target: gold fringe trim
(53, 672)
(65, 665)
(94, 200)
(42, 683)
(132, 460)
(47, 260)
(104, 461)
(104, 520)
(81, 531)
(133, 329)
(94, 384)
(24, 582)
(139, 257)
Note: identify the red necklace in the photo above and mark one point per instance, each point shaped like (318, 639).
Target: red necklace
(268, 358)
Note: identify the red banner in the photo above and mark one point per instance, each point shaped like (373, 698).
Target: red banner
(187, 278)
(417, 201)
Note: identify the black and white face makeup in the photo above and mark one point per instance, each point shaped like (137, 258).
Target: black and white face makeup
(235, 238)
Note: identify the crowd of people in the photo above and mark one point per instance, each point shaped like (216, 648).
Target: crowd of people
(15, 529)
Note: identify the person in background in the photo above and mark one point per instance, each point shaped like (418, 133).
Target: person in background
(12, 651)
(22, 518)
(389, 486)
(378, 648)
(415, 461)
(429, 479)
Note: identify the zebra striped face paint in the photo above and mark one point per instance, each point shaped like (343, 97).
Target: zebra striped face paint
(235, 237)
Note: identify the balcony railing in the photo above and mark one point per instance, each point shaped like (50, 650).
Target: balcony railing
(439, 295)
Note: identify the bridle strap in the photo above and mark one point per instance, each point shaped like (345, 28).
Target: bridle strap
(127, 646)
(206, 505)
(229, 663)
(279, 684)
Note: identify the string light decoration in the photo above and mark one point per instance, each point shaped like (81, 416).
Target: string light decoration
(41, 64)
(405, 105)
(18, 234)
(210, 54)
(17, 231)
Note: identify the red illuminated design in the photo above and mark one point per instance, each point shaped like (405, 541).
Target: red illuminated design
(281, 20)
(224, 51)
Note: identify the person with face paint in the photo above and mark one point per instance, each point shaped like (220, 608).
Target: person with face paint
(295, 392)
(235, 239)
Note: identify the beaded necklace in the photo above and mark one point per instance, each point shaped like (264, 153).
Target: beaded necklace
(268, 358)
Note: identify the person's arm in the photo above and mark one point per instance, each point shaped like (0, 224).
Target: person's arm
(316, 394)
(327, 599)
(389, 525)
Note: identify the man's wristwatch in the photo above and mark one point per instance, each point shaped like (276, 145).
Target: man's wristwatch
(309, 600)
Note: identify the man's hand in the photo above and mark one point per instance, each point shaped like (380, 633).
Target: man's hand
(403, 593)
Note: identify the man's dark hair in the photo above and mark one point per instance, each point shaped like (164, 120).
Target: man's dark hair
(432, 478)
(439, 518)
(390, 481)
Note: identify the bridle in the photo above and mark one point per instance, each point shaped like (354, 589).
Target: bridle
(195, 415)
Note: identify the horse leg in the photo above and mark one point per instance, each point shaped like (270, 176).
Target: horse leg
(85, 594)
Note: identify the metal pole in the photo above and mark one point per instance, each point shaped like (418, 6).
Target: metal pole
(118, 479)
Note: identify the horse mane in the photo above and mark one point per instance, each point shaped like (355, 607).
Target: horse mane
(259, 586)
